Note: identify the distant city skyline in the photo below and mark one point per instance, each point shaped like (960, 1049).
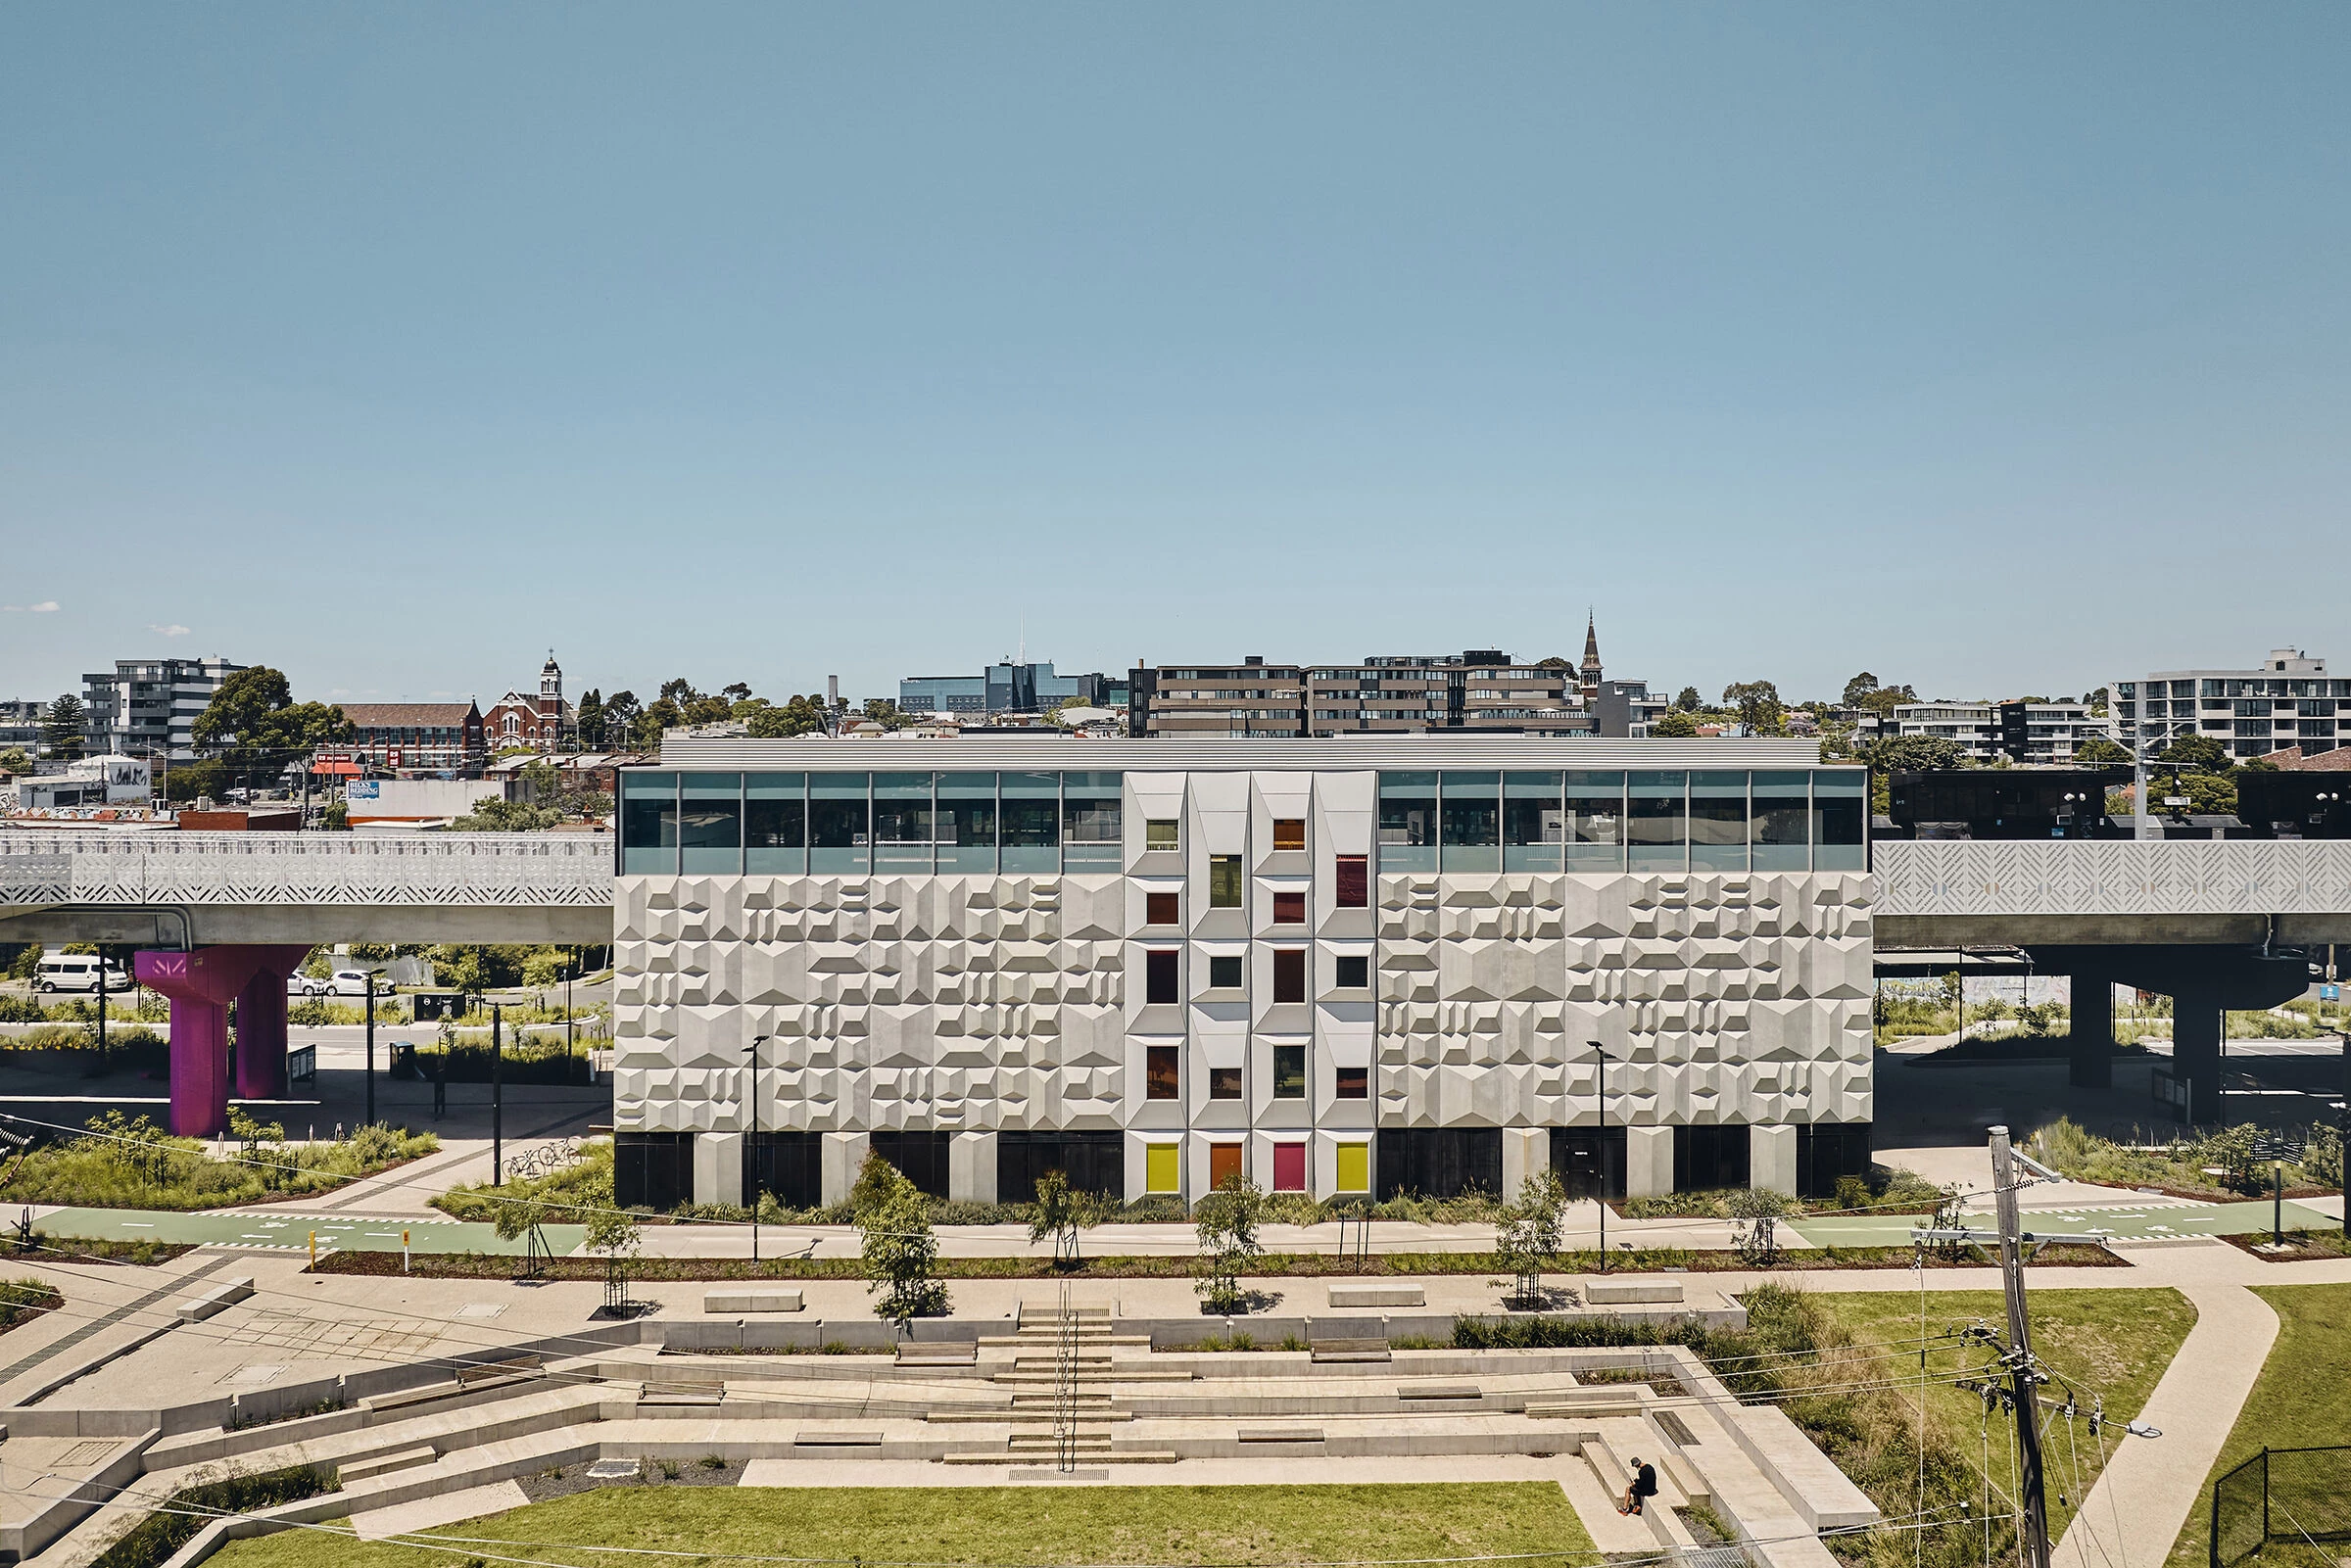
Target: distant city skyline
(1993, 350)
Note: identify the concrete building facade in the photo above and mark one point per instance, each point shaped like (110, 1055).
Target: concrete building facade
(1359, 966)
(2029, 733)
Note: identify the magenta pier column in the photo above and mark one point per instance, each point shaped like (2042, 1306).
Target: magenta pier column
(261, 1024)
(200, 985)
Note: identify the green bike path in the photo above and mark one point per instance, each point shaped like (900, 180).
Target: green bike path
(2124, 1221)
(261, 1230)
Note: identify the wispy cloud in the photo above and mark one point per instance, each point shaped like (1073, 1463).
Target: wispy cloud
(168, 631)
(44, 607)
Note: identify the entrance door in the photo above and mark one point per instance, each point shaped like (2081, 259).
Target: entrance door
(1223, 1160)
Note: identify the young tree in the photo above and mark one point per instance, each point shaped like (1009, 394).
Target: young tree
(1755, 1212)
(1226, 1223)
(1061, 1214)
(895, 1243)
(612, 1235)
(61, 725)
(1529, 1234)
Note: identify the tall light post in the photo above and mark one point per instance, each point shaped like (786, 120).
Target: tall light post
(751, 1149)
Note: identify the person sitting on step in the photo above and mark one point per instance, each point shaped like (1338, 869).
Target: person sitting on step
(1643, 1487)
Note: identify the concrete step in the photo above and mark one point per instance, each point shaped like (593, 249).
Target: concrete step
(1040, 1415)
(386, 1463)
(1092, 1377)
(1110, 1457)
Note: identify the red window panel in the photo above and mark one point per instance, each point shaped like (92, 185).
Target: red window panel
(1289, 1168)
(1289, 909)
(1353, 883)
(1159, 909)
(1289, 974)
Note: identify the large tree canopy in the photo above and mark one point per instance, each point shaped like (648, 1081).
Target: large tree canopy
(255, 727)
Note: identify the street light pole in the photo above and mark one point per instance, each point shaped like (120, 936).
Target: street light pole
(751, 1147)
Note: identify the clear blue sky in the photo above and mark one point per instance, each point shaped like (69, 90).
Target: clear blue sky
(1993, 347)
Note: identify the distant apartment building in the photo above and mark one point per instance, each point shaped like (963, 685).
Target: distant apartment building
(148, 707)
(102, 781)
(21, 724)
(540, 723)
(2028, 734)
(2288, 701)
(1005, 686)
(410, 737)
(1480, 691)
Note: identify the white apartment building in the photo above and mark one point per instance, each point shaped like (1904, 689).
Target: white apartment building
(148, 707)
(2288, 701)
(2029, 734)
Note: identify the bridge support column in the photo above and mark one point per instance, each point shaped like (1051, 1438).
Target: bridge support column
(2091, 1041)
(200, 987)
(2196, 1052)
(261, 1023)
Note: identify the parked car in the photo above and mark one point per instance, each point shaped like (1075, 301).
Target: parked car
(73, 972)
(342, 982)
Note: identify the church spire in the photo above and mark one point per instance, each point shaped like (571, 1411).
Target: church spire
(1590, 672)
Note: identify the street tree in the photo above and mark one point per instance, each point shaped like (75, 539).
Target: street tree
(61, 727)
(1061, 1213)
(1226, 1223)
(1529, 1235)
(253, 727)
(1759, 706)
(895, 1243)
(2201, 752)
(589, 721)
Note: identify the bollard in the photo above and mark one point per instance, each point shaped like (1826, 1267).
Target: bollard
(313, 1249)
(404, 1249)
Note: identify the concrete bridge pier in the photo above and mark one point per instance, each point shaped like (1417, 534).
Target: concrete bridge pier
(200, 987)
(2090, 1043)
(2196, 1028)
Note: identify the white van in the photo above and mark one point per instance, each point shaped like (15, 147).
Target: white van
(77, 971)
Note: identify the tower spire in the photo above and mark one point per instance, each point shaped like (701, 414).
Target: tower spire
(1589, 674)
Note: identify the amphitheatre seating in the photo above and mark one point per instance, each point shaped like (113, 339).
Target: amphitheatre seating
(1351, 1349)
(938, 1352)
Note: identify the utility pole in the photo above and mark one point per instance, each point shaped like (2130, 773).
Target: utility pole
(2024, 1378)
(497, 1105)
(371, 1048)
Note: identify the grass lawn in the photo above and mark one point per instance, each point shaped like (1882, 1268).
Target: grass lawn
(881, 1524)
(2298, 1401)
(2114, 1342)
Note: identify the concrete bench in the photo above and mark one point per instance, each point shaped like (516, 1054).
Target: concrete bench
(1616, 1399)
(1377, 1296)
(724, 1302)
(1281, 1434)
(1350, 1350)
(1631, 1293)
(834, 1437)
(938, 1352)
(683, 1391)
(385, 1463)
(219, 1299)
(1675, 1466)
(481, 1372)
(1438, 1391)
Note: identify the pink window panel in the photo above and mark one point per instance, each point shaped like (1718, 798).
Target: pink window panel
(1289, 1168)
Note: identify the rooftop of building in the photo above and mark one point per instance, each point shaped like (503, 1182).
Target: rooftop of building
(1209, 753)
(378, 715)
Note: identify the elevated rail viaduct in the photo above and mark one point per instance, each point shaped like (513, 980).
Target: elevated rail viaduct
(2216, 925)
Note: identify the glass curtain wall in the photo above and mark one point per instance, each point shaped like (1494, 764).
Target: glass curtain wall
(1029, 819)
(840, 828)
(649, 823)
(1533, 822)
(1593, 820)
(1090, 835)
(711, 823)
(1656, 818)
(1841, 820)
(774, 824)
(1473, 822)
(1407, 822)
(1718, 820)
(1780, 822)
(903, 816)
(967, 822)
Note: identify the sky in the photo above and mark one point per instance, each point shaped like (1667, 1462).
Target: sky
(1995, 349)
